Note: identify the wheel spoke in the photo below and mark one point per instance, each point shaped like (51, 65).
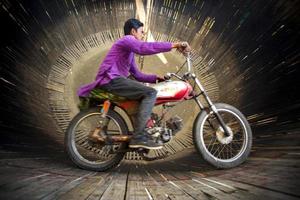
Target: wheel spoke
(218, 147)
(229, 148)
(212, 140)
(215, 139)
(221, 150)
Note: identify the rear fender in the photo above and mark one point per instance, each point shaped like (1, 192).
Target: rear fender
(127, 109)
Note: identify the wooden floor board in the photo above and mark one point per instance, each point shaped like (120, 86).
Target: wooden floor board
(182, 176)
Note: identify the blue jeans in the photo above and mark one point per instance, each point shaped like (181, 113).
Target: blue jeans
(134, 90)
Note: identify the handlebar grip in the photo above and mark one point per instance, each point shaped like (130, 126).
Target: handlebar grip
(184, 44)
(167, 76)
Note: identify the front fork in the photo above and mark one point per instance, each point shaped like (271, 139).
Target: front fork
(211, 105)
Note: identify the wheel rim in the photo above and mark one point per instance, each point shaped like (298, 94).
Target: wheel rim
(217, 145)
(85, 150)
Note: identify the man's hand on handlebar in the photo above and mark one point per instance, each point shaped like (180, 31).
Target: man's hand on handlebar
(182, 47)
(160, 79)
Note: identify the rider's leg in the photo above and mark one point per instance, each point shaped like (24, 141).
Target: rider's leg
(134, 90)
(145, 108)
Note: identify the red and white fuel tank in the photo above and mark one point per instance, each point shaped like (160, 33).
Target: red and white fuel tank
(172, 91)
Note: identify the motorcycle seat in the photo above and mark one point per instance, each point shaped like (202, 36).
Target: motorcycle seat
(96, 97)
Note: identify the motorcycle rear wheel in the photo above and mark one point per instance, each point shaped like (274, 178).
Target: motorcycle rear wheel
(217, 149)
(90, 156)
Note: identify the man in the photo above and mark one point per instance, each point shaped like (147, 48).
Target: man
(119, 63)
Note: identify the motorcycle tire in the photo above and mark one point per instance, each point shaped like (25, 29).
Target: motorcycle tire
(74, 154)
(209, 138)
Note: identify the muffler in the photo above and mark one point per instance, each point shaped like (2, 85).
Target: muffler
(98, 136)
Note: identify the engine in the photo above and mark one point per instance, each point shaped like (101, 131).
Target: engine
(175, 124)
(165, 133)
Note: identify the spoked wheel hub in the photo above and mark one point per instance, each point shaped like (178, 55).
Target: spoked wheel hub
(222, 138)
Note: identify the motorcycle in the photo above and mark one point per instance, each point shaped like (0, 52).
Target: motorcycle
(221, 133)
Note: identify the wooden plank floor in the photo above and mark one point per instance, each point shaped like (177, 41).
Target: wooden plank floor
(269, 173)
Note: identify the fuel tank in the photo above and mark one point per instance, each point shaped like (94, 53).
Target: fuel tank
(172, 91)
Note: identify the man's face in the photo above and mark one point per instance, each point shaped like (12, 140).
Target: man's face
(138, 34)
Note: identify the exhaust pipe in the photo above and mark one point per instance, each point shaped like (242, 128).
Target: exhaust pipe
(119, 138)
(98, 137)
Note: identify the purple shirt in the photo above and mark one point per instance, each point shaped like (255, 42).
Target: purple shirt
(120, 62)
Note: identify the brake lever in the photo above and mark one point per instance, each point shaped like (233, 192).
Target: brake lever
(169, 75)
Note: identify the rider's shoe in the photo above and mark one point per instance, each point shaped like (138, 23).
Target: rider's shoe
(143, 141)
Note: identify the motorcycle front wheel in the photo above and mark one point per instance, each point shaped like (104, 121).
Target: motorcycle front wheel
(88, 155)
(217, 149)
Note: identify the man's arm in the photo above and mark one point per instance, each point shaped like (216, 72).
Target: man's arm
(148, 48)
(139, 76)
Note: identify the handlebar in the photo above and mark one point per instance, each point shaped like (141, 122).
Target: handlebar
(188, 56)
(189, 66)
(188, 60)
(169, 75)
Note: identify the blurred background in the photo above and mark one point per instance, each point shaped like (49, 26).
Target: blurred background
(246, 53)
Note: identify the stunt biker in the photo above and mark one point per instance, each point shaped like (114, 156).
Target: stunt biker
(113, 75)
